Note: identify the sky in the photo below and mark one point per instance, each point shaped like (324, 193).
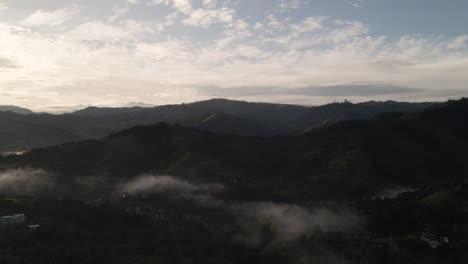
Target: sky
(63, 53)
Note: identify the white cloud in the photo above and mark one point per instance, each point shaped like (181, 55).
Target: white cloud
(290, 222)
(103, 33)
(3, 7)
(356, 3)
(119, 11)
(51, 18)
(274, 23)
(207, 17)
(204, 16)
(210, 3)
(287, 5)
(110, 61)
(25, 181)
(183, 6)
(166, 184)
(460, 42)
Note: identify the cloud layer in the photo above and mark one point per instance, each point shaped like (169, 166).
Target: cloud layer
(166, 184)
(25, 182)
(289, 222)
(256, 222)
(191, 50)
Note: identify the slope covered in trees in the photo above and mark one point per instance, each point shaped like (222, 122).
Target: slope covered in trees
(24, 132)
(391, 189)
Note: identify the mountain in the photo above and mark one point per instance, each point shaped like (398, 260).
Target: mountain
(25, 132)
(138, 104)
(15, 109)
(336, 112)
(397, 148)
(166, 193)
(231, 124)
(102, 111)
(274, 116)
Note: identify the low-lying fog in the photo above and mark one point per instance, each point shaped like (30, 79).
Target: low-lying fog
(26, 182)
(393, 192)
(8, 153)
(285, 222)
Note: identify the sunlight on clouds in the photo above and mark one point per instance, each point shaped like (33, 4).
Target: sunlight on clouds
(118, 58)
(210, 3)
(3, 7)
(460, 42)
(51, 18)
(205, 18)
(119, 11)
(287, 5)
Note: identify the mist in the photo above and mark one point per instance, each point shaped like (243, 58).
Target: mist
(166, 184)
(256, 222)
(290, 222)
(26, 181)
(393, 192)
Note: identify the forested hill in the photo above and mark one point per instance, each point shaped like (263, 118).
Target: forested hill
(15, 109)
(399, 148)
(19, 132)
(392, 189)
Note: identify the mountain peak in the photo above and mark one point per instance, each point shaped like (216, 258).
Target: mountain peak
(15, 109)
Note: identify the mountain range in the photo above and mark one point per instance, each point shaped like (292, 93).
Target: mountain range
(23, 130)
(411, 149)
(386, 189)
(15, 109)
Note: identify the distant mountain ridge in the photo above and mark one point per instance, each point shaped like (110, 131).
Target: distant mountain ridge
(336, 112)
(25, 132)
(15, 109)
(346, 158)
(205, 188)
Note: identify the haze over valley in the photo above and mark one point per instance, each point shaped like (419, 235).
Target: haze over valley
(220, 131)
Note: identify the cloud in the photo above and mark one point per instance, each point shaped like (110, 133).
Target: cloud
(182, 6)
(393, 192)
(210, 3)
(3, 7)
(189, 49)
(207, 17)
(460, 42)
(356, 3)
(288, 5)
(51, 18)
(102, 34)
(289, 222)
(286, 222)
(199, 194)
(359, 90)
(342, 90)
(25, 181)
(6, 63)
(165, 184)
(119, 11)
(204, 16)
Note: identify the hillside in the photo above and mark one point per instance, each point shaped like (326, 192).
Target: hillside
(391, 189)
(412, 149)
(15, 109)
(337, 112)
(25, 132)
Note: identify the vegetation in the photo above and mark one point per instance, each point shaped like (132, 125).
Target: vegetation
(391, 189)
(22, 132)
